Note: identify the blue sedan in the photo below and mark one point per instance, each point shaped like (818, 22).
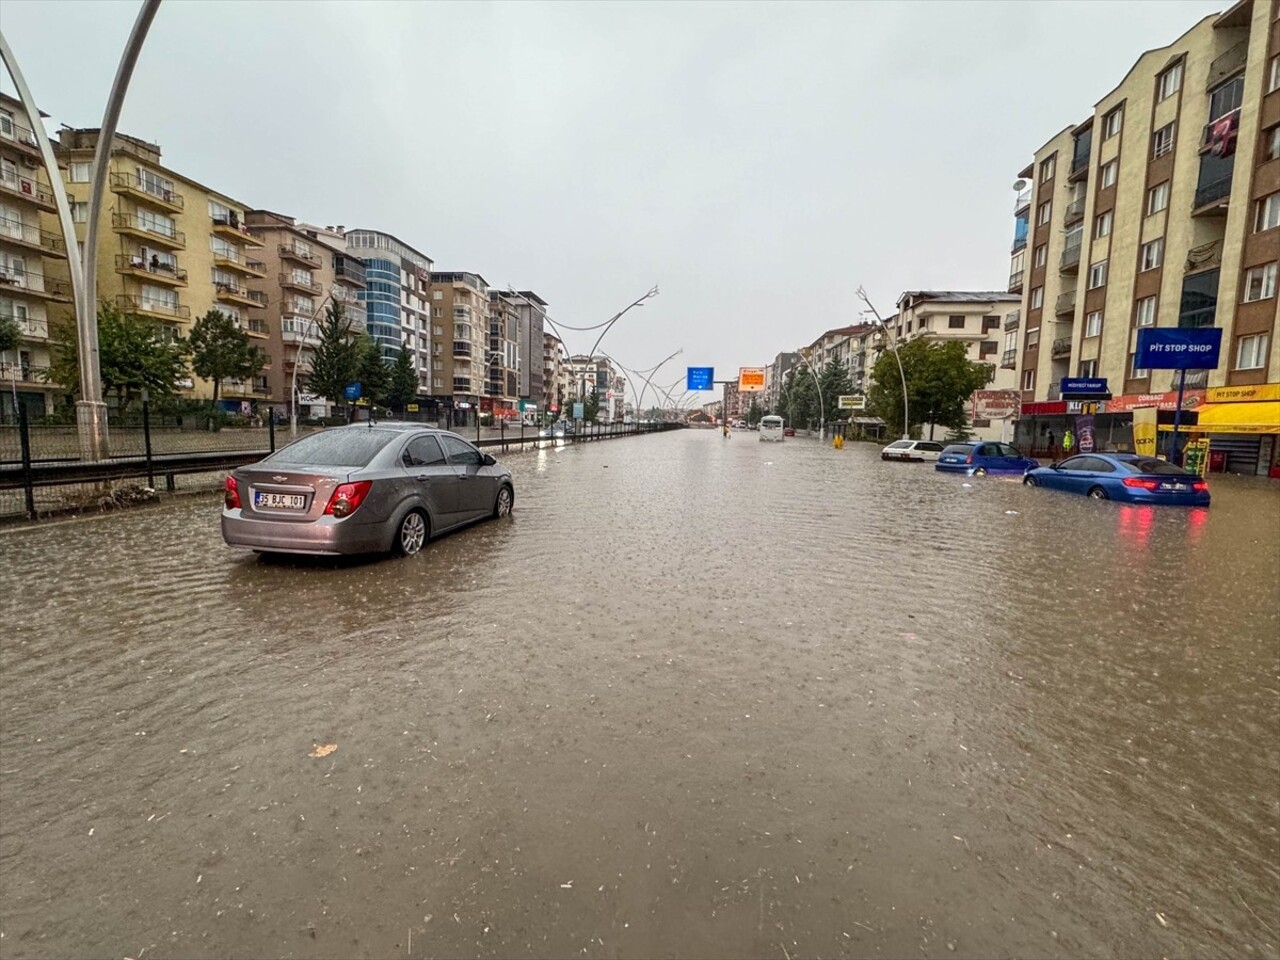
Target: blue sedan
(979, 458)
(1123, 476)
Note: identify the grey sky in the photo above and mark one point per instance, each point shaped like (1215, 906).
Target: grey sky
(757, 160)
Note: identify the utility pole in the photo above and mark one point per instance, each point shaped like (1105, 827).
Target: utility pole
(893, 345)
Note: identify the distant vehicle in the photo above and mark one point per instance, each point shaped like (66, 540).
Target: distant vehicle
(739, 424)
(1123, 476)
(918, 450)
(561, 428)
(771, 428)
(979, 458)
(788, 431)
(363, 489)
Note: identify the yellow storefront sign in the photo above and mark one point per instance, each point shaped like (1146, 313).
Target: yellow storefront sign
(1258, 417)
(1261, 391)
(1144, 431)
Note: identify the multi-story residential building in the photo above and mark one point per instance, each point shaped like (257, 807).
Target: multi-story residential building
(28, 294)
(557, 375)
(169, 248)
(460, 312)
(533, 315)
(973, 317)
(502, 388)
(396, 297)
(1161, 209)
(597, 376)
(307, 268)
(775, 378)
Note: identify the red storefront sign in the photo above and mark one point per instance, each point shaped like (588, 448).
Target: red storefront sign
(1045, 408)
(1161, 401)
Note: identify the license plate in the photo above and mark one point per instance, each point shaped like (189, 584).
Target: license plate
(1174, 486)
(279, 501)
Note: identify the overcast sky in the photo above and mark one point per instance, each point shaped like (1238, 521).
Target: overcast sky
(756, 160)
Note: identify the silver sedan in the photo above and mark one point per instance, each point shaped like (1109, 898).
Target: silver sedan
(364, 488)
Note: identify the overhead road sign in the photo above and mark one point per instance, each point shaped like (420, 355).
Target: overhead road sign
(701, 378)
(750, 379)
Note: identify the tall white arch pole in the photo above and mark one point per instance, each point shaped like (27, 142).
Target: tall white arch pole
(91, 412)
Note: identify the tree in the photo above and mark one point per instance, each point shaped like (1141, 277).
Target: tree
(836, 383)
(754, 412)
(373, 373)
(9, 333)
(402, 383)
(799, 402)
(335, 361)
(940, 380)
(220, 350)
(134, 354)
(591, 408)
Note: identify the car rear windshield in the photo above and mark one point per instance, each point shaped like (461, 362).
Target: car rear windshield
(1152, 465)
(335, 448)
(898, 445)
(928, 445)
(960, 449)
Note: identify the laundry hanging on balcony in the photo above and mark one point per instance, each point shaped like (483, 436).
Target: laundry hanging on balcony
(1222, 134)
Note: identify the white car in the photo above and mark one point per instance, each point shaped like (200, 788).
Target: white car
(918, 450)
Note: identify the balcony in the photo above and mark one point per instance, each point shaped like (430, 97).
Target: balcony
(1079, 169)
(229, 227)
(1212, 199)
(1019, 243)
(28, 329)
(289, 281)
(1011, 320)
(21, 137)
(1009, 359)
(23, 373)
(27, 189)
(296, 329)
(155, 271)
(33, 238)
(34, 285)
(232, 261)
(131, 185)
(1022, 201)
(1066, 303)
(257, 298)
(1061, 348)
(1071, 259)
(228, 292)
(293, 251)
(462, 349)
(258, 328)
(461, 384)
(1074, 212)
(131, 225)
(349, 270)
(149, 307)
(1228, 63)
(1207, 256)
(1015, 281)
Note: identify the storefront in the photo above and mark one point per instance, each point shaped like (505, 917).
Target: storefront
(1242, 425)
(1045, 428)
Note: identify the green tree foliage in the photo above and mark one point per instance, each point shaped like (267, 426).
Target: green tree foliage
(798, 405)
(754, 412)
(836, 383)
(9, 333)
(591, 408)
(134, 354)
(335, 361)
(220, 350)
(402, 383)
(940, 380)
(374, 373)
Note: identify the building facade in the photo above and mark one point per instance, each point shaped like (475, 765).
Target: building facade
(775, 378)
(502, 392)
(533, 315)
(460, 340)
(170, 249)
(557, 375)
(1159, 209)
(30, 244)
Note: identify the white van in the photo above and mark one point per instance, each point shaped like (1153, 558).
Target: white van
(770, 428)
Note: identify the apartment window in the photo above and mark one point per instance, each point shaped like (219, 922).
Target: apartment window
(1158, 198)
(437, 295)
(1111, 123)
(1102, 225)
(157, 223)
(1037, 298)
(1272, 148)
(1226, 98)
(1273, 79)
(302, 276)
(1110, 170)
(1088, 368)
(1169, 82)
(437, 311)
(1162, 141)
(955, 323)
(1251, 352)
(1046, 170)
(154, 184)
(1260, 283)
(79, 211)
(1093, 324)
(1042, 254)
(1152, 254)
(78, 172)
(437, 331)
(1028, 379)
(161, 297)
(1136, 372)
(221, 248)
(439, 382)
(1268, 213)
(1033, 337)
(990, 323)
(1042, 213)
(1146, 312)
(1098, 275)
(987, 349)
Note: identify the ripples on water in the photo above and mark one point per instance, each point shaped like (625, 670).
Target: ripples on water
(697, 697)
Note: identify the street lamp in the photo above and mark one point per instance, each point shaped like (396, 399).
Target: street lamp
(822, 407)
(297, 362)
(893, 345)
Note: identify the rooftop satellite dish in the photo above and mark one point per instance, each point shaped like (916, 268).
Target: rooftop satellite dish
(1021, 185)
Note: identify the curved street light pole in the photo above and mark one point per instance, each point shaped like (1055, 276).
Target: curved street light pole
(297, 361)
(822, 407)
(893, 345)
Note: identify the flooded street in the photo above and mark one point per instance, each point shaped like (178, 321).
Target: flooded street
(697, 697)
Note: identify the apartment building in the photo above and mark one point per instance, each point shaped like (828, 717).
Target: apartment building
(170, 248)
(502, 388)
(533, 316)
(460, 340)
(397, 310)
(29, 296)
(556, 373)
(597, 376)
(306, 268)
(775, 378)
(1161, 209)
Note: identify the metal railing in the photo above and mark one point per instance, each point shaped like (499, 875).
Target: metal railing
(1066, 302)
(133, 302)
(11, 229)
(289, 280)
(132, 182)
(1015, 280)
(1213, 192)
(22, 372)
(1226, 64)
(299, 253)
(1061, 347)
(1011, 320)
(160, 268)
(26, 187)
(1071, 256)
(1019, 243)
(349, 268)
(228, 288)
(1078, 164)
(258, 297)
(131, 221)
(1022, 200)
(1074, 211)
(1009, 359)
(19, 134)
(34, 283)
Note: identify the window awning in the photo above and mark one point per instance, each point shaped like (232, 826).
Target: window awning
(1262, 416)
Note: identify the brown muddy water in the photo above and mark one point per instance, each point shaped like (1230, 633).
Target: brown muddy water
(696, 698)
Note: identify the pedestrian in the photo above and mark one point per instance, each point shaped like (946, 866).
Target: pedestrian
(1050, 439)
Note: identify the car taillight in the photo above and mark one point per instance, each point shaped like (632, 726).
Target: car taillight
(1142, 482)
(1200, 486)
(969, 458)
(347, 498)
(231, 494)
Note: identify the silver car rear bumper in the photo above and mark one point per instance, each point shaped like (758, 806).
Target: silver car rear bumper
(328, 535)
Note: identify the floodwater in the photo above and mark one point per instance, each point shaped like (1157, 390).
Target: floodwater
(697, 697)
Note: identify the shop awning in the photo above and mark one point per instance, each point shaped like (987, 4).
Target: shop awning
(868, 421)
(1262, 416)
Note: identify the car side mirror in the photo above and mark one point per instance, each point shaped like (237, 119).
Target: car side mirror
(488, 460)
(1055, 465)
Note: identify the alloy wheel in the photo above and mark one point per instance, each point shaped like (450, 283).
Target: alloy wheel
(1097, 493)
(413, 533)
(503, 506)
